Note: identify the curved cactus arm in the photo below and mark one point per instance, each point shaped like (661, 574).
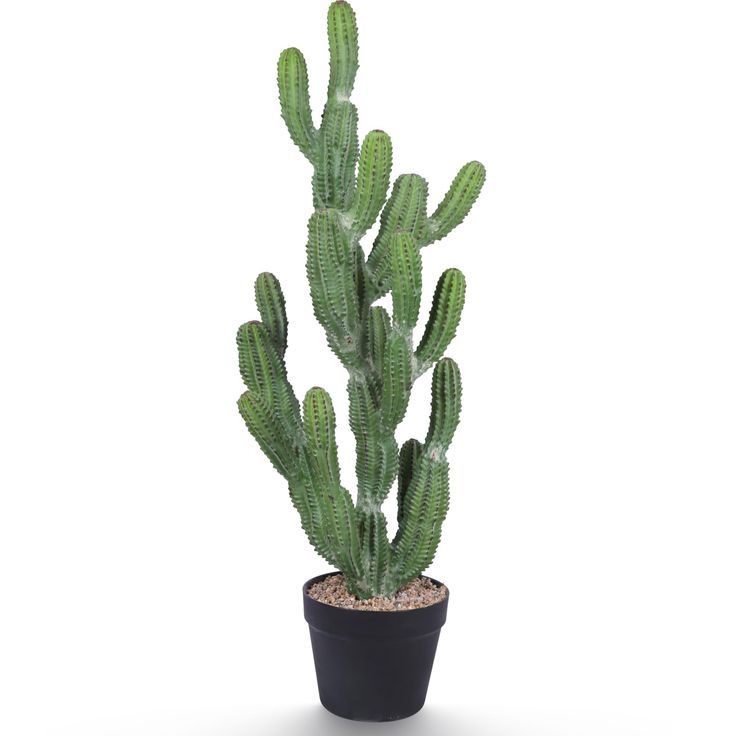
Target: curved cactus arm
(330, 522)
(346, 537)
(456, 204)
(332, 528)
(264, 427)
(309, 505)
(308, 513)
(272, 308)
(405, 210)
(408, 458)
(263, 372)
(342, 33)
(272, 415)
(374, 176)
(296, 111)
(333, 149)
(427, 498)
(332, 283)
(425, 508)
(339, 527)
(327, 512)
(446, 404)
(444, 317)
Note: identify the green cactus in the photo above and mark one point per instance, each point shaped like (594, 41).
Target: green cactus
(376, 348)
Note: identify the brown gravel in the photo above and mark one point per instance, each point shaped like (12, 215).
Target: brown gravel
(417, 593)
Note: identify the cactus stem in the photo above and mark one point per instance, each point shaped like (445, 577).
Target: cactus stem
(352, 190)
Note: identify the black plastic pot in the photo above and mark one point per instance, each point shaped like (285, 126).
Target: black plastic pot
(373, 665)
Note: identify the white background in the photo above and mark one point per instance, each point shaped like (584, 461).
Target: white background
(151, 560)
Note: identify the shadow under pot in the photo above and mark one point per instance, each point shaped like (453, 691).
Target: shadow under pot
(373, 665)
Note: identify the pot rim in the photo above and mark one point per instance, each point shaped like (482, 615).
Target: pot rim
(329, 606)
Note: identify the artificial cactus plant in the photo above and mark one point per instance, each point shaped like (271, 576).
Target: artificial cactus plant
(350, 188)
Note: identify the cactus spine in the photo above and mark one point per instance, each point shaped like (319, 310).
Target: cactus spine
(350, 187)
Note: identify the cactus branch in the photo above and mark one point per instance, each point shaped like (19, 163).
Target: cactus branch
(405, 210)
(342, 32)
(294, 97)
(456, 204)
(374, 175)
(447, 307)
(272, 308)
(406, 280)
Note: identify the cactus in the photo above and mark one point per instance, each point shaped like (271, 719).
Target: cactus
(350, 187)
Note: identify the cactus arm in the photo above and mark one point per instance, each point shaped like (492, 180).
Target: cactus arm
(272, 308)
(425, 508)
(406, 280)
(365, 423)
(336, 506)
(456, 204)
(319, 426)
(256, 369)
(340, 525)
(333, 182)
(330, 523)
(309, 513)
(347, 539)
(319, 422)
(446, 404)
(374, 175)
(426, 501)
(263, 372)
(408, 459)
(296, 111)
(444, 317)
(304, 452)
(376, 452)
(342, 34)
(397, 378)
(264, 427)
(405, 210)
(376, 464)
(331, 274)
(272, 415)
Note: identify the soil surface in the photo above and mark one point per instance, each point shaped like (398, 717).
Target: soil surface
(417, 593)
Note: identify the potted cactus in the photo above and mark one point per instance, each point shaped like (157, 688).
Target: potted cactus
(371, 664)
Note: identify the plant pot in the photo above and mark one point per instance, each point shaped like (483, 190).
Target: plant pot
(373, 665)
